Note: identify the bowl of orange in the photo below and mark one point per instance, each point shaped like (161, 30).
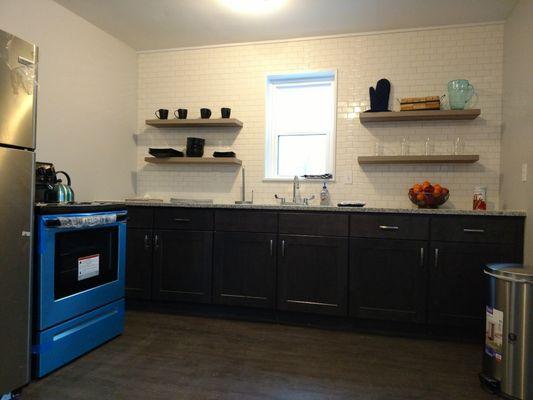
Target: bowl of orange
(426, 195)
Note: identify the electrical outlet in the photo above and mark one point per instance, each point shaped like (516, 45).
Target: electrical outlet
(347, 178)
(524, 172)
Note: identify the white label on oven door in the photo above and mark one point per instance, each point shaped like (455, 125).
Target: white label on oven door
(88, 267)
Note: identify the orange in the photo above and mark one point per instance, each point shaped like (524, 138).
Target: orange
(420, 197)
(417, 188)
(438, 187)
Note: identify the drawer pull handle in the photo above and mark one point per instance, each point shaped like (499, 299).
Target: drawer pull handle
(283, 248)
(182, 220)
(156, 241)
(146, 242)
(436, 258)
(422, 257)
(388, 228)
(470, 230)
(271, 247)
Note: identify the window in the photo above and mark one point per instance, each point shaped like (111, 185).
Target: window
(300, 125)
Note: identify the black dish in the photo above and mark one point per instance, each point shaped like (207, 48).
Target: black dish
(224, 154)
(165, 153)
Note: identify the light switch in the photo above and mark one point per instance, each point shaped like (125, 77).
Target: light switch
(524, 172)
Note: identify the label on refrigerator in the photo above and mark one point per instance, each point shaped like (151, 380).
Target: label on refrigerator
(494, 333)
(88, 267)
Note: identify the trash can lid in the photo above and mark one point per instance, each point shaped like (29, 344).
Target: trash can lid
(514, 272)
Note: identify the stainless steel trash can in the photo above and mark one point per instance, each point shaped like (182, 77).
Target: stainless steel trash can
(508, 355)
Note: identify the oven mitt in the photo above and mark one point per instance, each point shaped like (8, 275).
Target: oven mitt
(379, 97)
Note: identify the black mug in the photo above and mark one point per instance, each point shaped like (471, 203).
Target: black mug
(225, 112)
(205, 113)
(182, 113)
(161, 113)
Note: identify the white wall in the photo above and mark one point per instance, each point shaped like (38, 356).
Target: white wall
(517, 142)
(418, 63)
(87, 97)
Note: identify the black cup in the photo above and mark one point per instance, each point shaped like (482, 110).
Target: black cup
(182, 113)
(161, 113)
(205, 113)
(225, 112)
(195, 147)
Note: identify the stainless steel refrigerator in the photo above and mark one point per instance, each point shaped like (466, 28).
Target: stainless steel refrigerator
(18, 94)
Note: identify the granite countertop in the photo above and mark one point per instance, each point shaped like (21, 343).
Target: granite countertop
(441, 211)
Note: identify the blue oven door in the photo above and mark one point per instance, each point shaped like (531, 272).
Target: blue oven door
(80, 264)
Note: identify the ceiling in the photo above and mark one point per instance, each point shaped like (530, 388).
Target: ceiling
(162, 24)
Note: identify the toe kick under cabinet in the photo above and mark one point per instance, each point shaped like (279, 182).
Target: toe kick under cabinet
(424, 269)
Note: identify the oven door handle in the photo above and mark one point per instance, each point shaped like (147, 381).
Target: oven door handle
(56, 222)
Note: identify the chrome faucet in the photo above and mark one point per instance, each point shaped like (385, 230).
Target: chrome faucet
(296, 195)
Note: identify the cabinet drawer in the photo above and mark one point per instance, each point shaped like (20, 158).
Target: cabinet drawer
(246, 221)
(313, 224)
(476, 229)
(140, 217)
(183, 219)
(389, 226)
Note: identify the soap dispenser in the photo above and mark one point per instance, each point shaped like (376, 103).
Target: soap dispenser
(324, 196)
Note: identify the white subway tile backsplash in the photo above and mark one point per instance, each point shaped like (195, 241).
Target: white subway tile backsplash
(417, 63)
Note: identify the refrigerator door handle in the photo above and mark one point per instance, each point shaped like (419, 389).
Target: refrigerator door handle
(25, 61)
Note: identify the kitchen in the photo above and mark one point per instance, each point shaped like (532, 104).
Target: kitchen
(219, 272)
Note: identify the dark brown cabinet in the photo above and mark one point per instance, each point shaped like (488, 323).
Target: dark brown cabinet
(407, 268)
(313, 274)
(139, 264)
(457, 294)
(244, 269)
(182, 265)
(388, 279)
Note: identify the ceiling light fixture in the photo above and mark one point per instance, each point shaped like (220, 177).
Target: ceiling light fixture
(253, 6)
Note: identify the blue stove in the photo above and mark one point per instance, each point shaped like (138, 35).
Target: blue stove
(79, 280)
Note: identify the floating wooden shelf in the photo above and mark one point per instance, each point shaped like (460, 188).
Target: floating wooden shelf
(437, 159)
(194, 160)
(428, 115)
(194, 123)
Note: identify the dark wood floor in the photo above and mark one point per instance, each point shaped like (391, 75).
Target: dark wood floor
(174, 357)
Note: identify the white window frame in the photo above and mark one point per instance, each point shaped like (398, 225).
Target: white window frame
(271, 145)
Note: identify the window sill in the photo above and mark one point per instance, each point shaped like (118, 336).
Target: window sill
(321, 181)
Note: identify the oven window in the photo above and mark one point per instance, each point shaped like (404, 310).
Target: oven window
(85, 259)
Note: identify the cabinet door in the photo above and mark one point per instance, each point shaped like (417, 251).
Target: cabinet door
(183, 266)
(457, 283)
(139, 264)
(388, 279)
(244, 269)
(313, 274)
